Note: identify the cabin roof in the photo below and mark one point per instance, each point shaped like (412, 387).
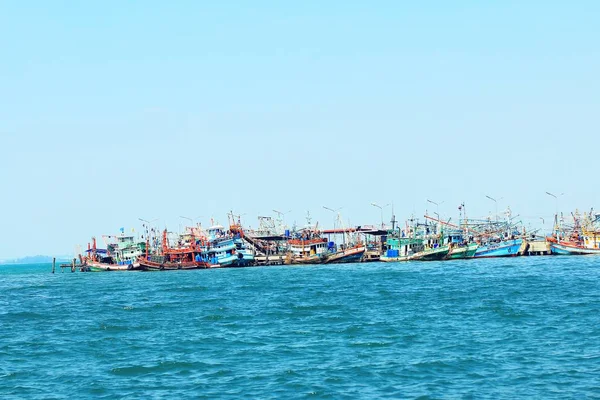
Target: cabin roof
(376, 232)
(100, 251)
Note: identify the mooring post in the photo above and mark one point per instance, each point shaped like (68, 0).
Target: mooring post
(73, 266)
(53, 264)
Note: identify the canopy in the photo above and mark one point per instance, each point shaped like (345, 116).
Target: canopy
(101, 251)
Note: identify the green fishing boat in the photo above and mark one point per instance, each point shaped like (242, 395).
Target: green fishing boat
(460, 252)
(401, 249)
(432, 253)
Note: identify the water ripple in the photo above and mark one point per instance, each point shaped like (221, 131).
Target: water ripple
(523, 327)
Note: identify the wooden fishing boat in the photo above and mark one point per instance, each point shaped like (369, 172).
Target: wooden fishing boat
(121, 254)
(587, 245)
(565, 248)
(347, 255)
(401, 248)
(306, 260)
(153, 264)
(462, 251)
(99, 266)
(308, 251)
(432, 253)
(457, 238)
(417, 242)
(582, 239)
(185, 254)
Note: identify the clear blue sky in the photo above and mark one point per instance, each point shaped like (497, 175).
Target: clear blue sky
(116, 110)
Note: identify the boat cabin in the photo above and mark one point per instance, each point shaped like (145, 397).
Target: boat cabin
(307, 248)
(402, 247)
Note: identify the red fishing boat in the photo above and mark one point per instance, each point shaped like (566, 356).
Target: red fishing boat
(186, 254)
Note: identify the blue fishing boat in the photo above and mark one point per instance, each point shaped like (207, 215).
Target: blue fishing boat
(503, 248)
(243, 249)
(571, 249)
(245, 256)
(583, 237)
(220, 247)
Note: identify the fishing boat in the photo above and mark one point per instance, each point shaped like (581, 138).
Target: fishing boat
(586, 244)
(245, 255)
(401, 248)
(220, 248)
(121, 254)
(416, 242)
(352, 248)
(459, 247)
(565, 248)
(308, 251)
(501, 248)
(461, 251)
(433, 239)
(575, 243)
(100, 266)
(494, 237)
(163, 263)
(307, 246)
(347, 255)
(433, 253)
(185, 254)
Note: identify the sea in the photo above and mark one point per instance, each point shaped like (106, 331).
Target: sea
(526, 327)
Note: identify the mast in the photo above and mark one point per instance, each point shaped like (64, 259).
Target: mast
(165, 242)
(463, 212)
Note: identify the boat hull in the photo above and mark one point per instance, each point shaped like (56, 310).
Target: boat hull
(506, 248)
(228, 260)
(394, 259)
(436, 254)
(462, 252)
(347, 256)
(244, 258)
(170, 266)
(571, 250)
(95, 266)
(314, 259)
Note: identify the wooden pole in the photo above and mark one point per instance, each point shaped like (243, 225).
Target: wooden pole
(73, 266)
(53, 264)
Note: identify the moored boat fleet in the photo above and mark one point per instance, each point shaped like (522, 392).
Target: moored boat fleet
(431, 239)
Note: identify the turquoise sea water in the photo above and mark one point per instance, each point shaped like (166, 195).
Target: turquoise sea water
(505, 328)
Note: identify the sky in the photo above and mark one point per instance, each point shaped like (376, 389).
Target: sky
(112, 111)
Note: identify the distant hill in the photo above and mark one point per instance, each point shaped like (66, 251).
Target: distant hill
(34, 260)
